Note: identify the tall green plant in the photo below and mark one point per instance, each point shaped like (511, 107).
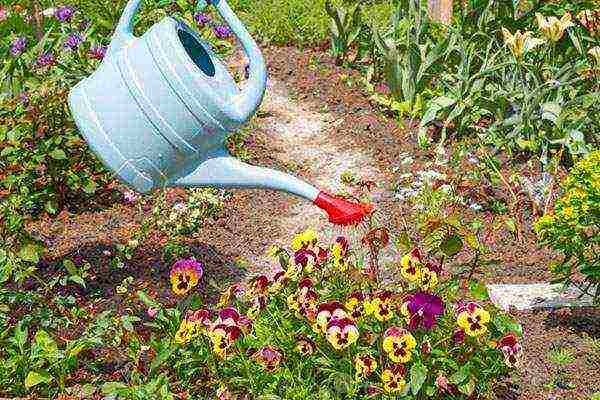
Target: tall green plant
(345, 27)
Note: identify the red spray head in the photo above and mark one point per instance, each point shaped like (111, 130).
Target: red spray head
(342, 212)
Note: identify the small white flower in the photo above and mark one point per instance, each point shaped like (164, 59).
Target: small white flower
(48, 12)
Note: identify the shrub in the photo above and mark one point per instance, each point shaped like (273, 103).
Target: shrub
(324, 326)
(573, 228)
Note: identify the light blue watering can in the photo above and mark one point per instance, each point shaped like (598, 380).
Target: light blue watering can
(159, 107)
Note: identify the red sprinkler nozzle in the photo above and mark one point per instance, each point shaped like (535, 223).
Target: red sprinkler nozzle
(342, 212)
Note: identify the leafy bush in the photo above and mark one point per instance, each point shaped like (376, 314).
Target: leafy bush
(573, 228)
(324, 326)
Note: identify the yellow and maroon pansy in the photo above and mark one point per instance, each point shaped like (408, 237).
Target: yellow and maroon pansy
(355, 304)
(341, 332)
(473, 319)
(305, 239)
(268, 357)
(393, 378)
(380, 306)
(428, 279)
(364, 365)
(410, 266)
(185, 275)
(398, 343)
(222, 337)
(305, 346)
(325, 312)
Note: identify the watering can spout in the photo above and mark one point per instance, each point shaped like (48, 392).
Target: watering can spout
(247, 101)
(225, 171)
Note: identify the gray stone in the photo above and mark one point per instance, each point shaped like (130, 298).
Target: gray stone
(537, 295)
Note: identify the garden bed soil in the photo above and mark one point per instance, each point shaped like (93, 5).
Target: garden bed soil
(317, 122)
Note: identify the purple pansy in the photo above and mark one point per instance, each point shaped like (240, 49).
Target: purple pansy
(18, 46)
(222, 31)
(424, 309)
(73, 41)
(97, 52)
(46, 60)
(64, 13)
(202, 19)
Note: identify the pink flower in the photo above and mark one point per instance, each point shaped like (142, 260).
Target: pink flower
(151, 312)
(130, 196)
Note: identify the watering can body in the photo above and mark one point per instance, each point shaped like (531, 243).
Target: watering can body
(159, 107)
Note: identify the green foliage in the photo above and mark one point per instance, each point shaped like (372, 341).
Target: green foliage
(344, 28)
(573, 227)
(293, 346)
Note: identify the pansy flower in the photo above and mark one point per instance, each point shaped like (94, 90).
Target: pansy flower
(355, 304)
(259, 285)
(473, 319)
(306, 258)
(398, 344)
(380, 306)
(339, 250)
(268, 357)
(364, 365)
(184, 275)
(421, 310)
(410, 266)
(511, 349)
(304, 300)
(222, 337)
(393, 378)
(341, 332)
(305, 346)
(327, 311)
(185, 332)
(198, 321)
(305, 239)
(428, 279)
(279, 281)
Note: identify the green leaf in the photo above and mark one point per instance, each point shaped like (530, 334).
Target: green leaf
(112, 387)
(78, 280)
(90, 187)
(30, 252)
(58, 154)
(452, 245)
(478, 290)
(461, 375)
(51, 207)
(467, 388)
(418, 374)
(70, 267)
(35, 378)
(148, 302)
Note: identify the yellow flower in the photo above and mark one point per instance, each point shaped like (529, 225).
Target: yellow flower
(473, 319)
(410, 268)
(184, 333)
(553, 28)
(595, 53)
(568, 212)
(364, 365)
(428, 279)
(380, 306)
(398, 344)
(393, 378)
(304, 239)
(337, 252)
(341, 333)
(520, 43)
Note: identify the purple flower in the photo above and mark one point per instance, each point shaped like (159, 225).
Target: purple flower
(46, 60)
(130, 196)
(24, 98)
(222, 31)
(73, 41)
(423, 310)
(202, 19)
(64, 13)
(458, 336)
(18, 46)
(97, 52)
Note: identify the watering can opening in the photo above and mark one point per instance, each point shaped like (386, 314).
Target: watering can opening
(196, 51)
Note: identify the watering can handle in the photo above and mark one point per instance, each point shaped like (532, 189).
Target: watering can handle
(124, 32)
